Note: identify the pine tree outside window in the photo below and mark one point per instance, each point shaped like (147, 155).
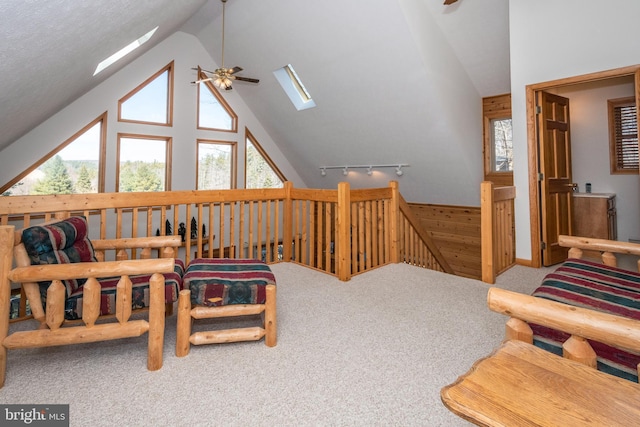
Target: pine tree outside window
(216, 165)
(75, 166)
(143, 163)
(260, 171)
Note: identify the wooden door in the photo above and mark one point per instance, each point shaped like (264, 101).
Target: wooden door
(556, 183)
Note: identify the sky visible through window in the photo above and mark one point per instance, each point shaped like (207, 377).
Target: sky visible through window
(149, 104)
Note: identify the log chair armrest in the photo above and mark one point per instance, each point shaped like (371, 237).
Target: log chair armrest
(603, 245)
(153, 242)
(616, 331)
(167, 246)
(81, 270)
(608, 248)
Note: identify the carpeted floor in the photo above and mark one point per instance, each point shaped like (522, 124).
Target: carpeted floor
(374, 351)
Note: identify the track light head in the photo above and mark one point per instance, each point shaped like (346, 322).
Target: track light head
(399, 170)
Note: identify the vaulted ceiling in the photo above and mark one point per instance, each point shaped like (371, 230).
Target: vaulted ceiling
(389, 77)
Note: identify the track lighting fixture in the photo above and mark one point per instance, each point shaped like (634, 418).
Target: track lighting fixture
(369, 168)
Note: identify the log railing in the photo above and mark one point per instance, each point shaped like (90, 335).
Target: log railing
(497, 229)
(341, 232)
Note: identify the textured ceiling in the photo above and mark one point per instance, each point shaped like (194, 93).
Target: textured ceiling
(368, 67)
(50, 49)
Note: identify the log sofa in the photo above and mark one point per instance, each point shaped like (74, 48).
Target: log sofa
(588, 314)
(67, 282)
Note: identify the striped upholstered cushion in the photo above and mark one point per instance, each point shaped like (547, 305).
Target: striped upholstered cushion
(222, 281)
(139, 292)
(598, 287)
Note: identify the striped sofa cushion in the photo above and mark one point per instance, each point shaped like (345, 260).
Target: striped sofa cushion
(598, 287)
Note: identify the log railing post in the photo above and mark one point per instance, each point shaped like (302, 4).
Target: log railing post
(343, 245)
(287, 233)
(394, 215)
(486, 232)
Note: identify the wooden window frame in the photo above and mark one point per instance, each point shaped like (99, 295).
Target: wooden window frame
(615, 138)
(255, 143)
(101, 156)
(168, 68)
(234, 159)
(494, 107)
(168, 149)
(221, 100)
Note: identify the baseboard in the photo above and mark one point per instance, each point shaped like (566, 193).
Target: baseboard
(524, 262)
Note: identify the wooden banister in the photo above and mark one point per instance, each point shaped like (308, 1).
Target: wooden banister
(341, 232)
(497, 234)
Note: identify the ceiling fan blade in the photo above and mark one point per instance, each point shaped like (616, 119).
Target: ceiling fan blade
(247, 79)
(203, 80)
(202, 69)
(235, 69)
(448, 2)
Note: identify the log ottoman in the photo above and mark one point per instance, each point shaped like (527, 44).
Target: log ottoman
(223, 287)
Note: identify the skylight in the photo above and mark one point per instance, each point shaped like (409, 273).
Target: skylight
(124, 51)
(293, 87)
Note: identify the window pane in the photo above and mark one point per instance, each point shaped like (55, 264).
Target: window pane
(214, 166)
(212, 115)
(502, 143)
(150, 103)
(142, 164)
(73, 169)
(259, 173)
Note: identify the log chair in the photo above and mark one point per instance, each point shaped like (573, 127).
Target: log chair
(51, 331)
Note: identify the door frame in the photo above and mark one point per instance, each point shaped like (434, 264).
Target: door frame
(532, 143)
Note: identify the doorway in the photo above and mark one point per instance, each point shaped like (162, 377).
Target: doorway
(532, 91)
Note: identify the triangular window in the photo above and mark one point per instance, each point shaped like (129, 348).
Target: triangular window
(151, 101)
(260, 171)
(75, 166)
(213, 111)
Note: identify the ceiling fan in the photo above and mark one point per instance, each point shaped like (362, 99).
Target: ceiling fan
(222, 77)
(448, 2)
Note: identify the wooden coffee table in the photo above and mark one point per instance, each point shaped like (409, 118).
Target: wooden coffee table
(522, 385)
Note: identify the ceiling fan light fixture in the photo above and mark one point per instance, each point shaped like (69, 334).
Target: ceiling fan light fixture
(222, 77)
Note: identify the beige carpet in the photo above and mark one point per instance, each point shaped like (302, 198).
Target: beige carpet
(374, 351)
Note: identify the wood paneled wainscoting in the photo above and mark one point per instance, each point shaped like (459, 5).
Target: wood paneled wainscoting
(476, 242)
(455, 231)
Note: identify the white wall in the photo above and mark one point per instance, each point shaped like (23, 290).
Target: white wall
(554, 39)
(590, 148)
(187, 52)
